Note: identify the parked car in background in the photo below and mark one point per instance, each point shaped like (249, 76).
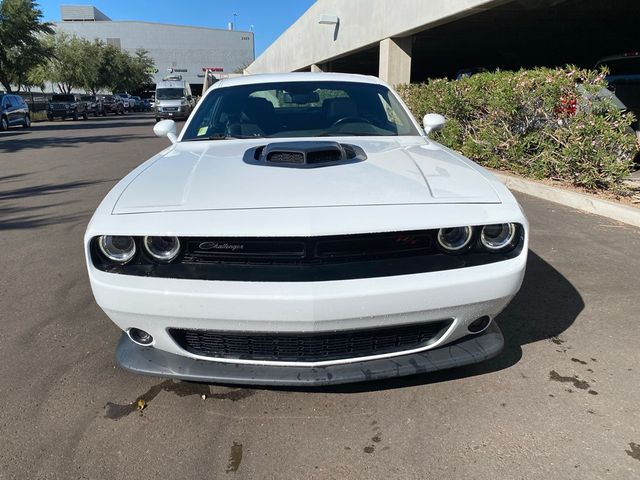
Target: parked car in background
(624, 80)
(137, 103)
(361, 250)
(173, 99)
(145, 105)
(112, 104)
(127, 101)
(13, 111)
(94, 104)
(469, 72)
(67, 105)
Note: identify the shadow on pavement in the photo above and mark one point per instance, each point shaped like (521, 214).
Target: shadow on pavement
(13, 133)
(22, 217)
(76, 142)
(110, 121)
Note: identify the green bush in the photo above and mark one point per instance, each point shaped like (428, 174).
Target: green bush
(541, 123)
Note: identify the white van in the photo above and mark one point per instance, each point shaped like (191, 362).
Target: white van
(173, 99)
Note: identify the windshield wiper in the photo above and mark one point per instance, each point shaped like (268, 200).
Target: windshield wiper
(348, 134)
(217, 136)
(222, 136)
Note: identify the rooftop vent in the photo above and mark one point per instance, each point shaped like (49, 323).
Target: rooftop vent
(304, 154)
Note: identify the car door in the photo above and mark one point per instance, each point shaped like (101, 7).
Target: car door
(9, 107)
(21, 109)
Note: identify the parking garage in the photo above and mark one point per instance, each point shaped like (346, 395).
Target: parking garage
(454, 36)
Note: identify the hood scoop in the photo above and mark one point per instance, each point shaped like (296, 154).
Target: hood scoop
(310, 154)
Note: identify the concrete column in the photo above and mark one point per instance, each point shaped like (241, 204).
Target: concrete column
(395, 60)
(316, 67)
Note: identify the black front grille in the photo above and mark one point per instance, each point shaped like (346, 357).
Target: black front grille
(307, 347)
(306, 259)
(307, 251)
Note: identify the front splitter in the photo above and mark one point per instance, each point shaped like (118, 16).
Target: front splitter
(466, 351)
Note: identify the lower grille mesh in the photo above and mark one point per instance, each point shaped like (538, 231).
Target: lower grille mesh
(307, 347)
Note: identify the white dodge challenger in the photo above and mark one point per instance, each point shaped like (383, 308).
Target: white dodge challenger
(302, 229)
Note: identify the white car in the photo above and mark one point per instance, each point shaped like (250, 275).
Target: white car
(304, 230)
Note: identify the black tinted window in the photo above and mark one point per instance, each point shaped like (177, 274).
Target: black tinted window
(63, 98)
(300, 109)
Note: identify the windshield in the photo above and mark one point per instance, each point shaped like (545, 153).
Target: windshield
(300, 109)
(87, 98)
(169, 93)
(63, 98)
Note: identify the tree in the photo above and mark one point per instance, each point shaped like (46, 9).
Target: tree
(122, 72)
(142, 69)
(22, 45)
(93, 54)
(71, 64)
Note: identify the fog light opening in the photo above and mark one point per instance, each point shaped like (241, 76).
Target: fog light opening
(479, 324)
(140, 337)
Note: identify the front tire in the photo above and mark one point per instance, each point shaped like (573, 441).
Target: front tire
(4, 124)
(27, 121)
(75, 116)
(50, 118)
(85, 116)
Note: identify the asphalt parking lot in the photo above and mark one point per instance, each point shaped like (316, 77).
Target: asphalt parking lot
(561, 402)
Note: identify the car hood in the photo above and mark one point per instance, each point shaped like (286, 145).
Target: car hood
(213, 176)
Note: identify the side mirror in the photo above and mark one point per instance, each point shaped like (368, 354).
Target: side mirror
(166, 128)
(433, 122)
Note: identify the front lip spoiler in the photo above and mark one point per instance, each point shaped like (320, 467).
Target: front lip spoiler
(150, 361)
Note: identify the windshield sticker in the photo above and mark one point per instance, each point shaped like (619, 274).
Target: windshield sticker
(202, 131)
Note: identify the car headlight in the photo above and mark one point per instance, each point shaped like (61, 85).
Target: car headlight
(498, 237)
(455, 239)
(117, 248)
(163, 249)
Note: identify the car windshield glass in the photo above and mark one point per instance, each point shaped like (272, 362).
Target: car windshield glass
(63, 98)
(87, 98)
(169, 93)
(623, 66)
(300, 109)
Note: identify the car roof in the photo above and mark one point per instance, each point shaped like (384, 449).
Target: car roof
(297, 77)
(171, 84)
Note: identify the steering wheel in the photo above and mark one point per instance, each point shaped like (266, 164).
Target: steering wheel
(352, 119)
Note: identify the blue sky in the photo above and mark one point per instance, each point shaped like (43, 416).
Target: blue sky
(269, 17)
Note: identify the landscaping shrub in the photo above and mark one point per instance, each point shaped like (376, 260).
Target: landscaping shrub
(541, 123)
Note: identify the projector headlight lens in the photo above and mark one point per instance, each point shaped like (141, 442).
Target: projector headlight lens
(117, 248)
(456, 239)
(163, 249)
(498, 237)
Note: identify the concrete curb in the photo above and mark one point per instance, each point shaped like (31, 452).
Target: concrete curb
(579, 201)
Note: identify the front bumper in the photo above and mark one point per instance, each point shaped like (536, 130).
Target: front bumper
(157, 304)
(151, 361)
(180, 113)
